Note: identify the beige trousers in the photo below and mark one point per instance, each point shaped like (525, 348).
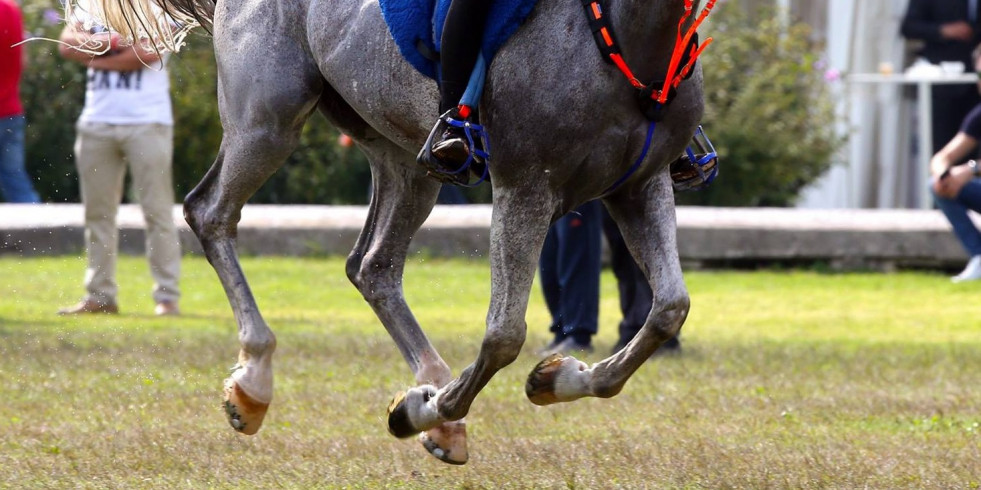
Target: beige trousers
(102, 153)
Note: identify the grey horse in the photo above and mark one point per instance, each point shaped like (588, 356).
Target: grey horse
(563, 126)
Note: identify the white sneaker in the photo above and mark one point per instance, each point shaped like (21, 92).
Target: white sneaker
(972, 272)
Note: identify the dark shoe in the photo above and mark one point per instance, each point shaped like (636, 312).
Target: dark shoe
(670, 348)
(89, 306)
(544, 351)
(566, 346)
(167, 308)
(452, 150)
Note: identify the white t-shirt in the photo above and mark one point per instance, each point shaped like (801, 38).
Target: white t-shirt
(128, 97)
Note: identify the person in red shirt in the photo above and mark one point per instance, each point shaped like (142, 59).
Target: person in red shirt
(15, 184)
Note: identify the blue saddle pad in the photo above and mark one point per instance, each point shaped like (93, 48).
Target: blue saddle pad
(412, 20)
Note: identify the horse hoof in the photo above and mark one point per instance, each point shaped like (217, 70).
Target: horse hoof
(553, 375)
(447, 443)
(244, 413)
(398, 417)
(540, 386)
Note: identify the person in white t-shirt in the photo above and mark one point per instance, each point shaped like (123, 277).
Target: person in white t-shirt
(126, 122)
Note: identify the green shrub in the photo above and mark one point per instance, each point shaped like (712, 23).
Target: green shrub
(769, 112)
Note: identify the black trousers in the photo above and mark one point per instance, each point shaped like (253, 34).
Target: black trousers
(951, 104)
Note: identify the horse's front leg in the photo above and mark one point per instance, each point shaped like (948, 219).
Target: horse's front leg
(212, 210)
(518, 229)
(647, 220)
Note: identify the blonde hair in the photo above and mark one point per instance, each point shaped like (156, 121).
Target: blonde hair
(139, 21)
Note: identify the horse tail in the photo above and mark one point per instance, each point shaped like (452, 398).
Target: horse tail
(162, 23)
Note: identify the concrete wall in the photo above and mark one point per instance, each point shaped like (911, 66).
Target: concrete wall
(707, 237)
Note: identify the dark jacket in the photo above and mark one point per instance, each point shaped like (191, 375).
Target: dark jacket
(923, 20)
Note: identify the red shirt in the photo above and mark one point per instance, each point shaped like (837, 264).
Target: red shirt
(11, 58)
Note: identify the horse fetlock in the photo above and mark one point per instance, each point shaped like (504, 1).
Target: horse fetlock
(413, 411)
(605, 389)
(257, 346)
(558, 379)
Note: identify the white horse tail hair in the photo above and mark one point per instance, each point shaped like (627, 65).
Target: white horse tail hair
(162, 24)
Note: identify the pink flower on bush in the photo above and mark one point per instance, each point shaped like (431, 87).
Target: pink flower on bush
(51, 17)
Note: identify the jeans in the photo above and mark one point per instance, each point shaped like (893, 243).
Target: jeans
(15, 184)
(956, 212)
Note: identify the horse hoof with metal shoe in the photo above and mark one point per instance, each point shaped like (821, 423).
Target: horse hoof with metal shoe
(557, 378)
(248, 392)
(447, 442)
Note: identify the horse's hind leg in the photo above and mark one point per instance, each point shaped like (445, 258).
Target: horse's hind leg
(262, 123)
(402, 198)
(647, 220)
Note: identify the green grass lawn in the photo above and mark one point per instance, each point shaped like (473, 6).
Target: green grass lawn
(788, 379)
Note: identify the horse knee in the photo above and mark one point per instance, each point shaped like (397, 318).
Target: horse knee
(352, 267)
(376, 279)
(670, 319)
(206, 219)
(502, 345)
(207, 224)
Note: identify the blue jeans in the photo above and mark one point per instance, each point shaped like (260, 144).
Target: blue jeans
(569, 268)
(956, 212)
(15, 184)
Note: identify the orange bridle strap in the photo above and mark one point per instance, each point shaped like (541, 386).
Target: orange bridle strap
(681, 62)
(675, 73)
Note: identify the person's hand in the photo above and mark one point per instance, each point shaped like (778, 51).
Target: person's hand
(957, 31)
(103, 42)
(948, 184)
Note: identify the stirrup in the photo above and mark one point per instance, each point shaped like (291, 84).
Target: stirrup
(697, 167)
(474, 143)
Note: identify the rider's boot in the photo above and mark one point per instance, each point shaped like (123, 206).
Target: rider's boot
(446, 153)
(463, 33)
(453, 149)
